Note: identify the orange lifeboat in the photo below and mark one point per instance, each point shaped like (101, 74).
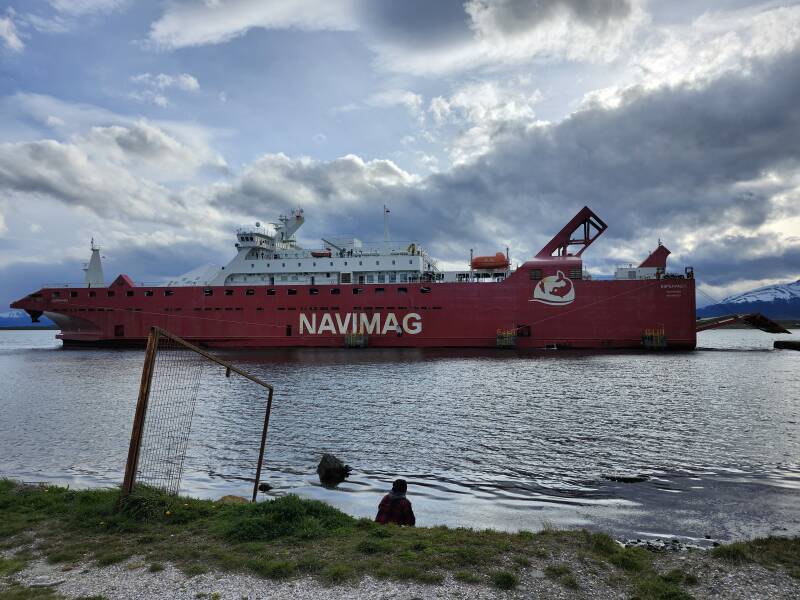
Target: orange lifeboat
(498, 261)
(322, 253)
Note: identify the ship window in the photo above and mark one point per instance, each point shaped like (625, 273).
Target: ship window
(291, 292)
(299, 264)
(283, 264)
(169, 293)
(575, 273)
(410, 262)
(73, 294)
(288, 331)
(92, 294)
(208, 292)
(129, 293)
(392, 262)
(536, 273)
(270, 292)
(313, 291)
(377, 262)
(331, 263)
(357, 290)
(345, 263)
(250, 292)
(381, 278)
(379, 290)
(392, 278)
(229, 292)
(360, 263)
(335, 291)
(370, 279)
(327, 274)
(425, 290)
(402, 290)
(314, 264)
(259, 308)
(110, 294)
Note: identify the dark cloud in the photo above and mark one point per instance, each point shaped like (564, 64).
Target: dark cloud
(416, 22)
(748, 258)
(512, 17)
(666, 162)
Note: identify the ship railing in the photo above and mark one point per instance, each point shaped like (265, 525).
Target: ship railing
(59, 284)
(85, 285)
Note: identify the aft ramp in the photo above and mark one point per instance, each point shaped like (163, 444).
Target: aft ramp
(756, 320)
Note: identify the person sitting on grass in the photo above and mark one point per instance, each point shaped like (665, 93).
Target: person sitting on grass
(395, 507)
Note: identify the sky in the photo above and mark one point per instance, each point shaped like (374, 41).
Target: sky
(159, 127)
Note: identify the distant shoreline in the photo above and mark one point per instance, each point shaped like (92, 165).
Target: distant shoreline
(20, 328)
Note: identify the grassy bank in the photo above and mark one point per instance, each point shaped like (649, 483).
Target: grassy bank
(289, 537)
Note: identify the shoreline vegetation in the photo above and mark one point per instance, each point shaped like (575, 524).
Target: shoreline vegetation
(290, 537)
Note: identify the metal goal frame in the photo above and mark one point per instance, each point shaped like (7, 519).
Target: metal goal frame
(140, 416)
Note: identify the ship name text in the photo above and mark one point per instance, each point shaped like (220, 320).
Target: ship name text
(371, 324)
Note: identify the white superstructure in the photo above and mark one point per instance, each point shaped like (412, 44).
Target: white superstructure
(268, 258)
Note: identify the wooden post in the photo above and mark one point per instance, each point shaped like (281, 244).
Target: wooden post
(141, 411)
(263, 444)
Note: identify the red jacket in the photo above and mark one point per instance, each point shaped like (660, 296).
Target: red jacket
(395, 509)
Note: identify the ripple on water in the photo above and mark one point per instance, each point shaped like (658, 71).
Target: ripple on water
(486, 438)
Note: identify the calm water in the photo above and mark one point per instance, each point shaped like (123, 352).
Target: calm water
(486, 439)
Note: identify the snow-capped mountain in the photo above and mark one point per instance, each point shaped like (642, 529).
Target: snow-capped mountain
(768, 293)
(19, 318)
(779, 301)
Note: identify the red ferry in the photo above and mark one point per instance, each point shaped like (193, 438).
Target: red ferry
(275, 293)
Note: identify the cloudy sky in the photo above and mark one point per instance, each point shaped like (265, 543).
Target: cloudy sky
(158, 127)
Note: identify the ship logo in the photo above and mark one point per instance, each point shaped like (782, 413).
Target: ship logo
(554, 290)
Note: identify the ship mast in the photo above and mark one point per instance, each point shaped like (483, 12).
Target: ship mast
(385, 225)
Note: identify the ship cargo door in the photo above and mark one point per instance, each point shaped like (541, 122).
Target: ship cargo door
(272, 279)
(312, 280)
(360, 279)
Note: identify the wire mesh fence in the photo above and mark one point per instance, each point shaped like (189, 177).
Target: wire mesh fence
(168, 394)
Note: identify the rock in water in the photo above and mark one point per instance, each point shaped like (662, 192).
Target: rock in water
(331, 470)
(233, 500)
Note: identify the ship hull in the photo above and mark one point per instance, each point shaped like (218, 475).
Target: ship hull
(597, 314)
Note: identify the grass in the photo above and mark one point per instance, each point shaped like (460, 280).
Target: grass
(563, 575)
(289, 537)
(637, 565)
(770, 552)
(505, 580)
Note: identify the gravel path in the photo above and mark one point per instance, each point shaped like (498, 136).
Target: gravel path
(132, 579)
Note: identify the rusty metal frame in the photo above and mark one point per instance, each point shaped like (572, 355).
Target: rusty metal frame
(144, 396)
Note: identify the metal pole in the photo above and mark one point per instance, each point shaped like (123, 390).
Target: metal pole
(263, 444)
(141, 411)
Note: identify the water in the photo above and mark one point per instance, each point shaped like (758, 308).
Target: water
(486, 439)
